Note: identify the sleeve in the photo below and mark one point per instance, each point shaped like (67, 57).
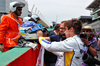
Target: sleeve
(95, 45)
(3, 28)
(62, 46)
(61, 54)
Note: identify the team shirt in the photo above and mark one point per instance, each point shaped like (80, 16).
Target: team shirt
(73, 48)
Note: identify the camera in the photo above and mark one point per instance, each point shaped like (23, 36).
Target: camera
(83, 35)
(88, 59)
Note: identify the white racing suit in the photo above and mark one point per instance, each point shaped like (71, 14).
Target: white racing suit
(72, 47)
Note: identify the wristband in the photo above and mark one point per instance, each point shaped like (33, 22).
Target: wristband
(1, 43)
(89, 45)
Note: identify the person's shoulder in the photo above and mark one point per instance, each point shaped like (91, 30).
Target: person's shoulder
(94, 39)
(55, 38)
(73, 39)
(4, 16)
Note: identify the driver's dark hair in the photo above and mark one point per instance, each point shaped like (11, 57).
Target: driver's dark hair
(75, 23)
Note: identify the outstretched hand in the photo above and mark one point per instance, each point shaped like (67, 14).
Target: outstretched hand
(39, 33)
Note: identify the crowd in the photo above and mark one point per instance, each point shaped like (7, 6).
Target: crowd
(67, 45)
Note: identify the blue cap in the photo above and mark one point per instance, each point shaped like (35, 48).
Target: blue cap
(31, 24)
(35, 28)
(28, 24)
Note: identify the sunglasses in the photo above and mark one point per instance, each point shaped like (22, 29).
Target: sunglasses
(19, 9)
(87, 30)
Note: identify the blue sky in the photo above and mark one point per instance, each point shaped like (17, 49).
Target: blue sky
(60, 10)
